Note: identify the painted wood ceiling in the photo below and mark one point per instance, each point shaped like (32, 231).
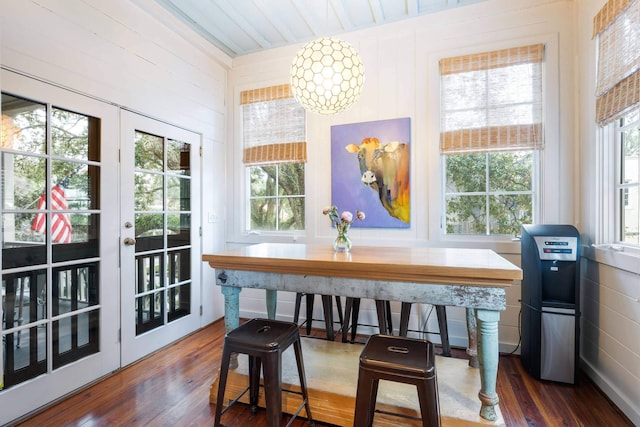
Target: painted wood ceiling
(240, 27)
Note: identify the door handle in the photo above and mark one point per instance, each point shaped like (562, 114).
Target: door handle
(129, 241)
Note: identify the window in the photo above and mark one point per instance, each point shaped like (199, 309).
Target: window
(617, 110)
(491, 131)
(275, 152)
(628, 179)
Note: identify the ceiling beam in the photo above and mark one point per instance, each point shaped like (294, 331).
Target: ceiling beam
(217, 38)
(270, 13)
(376, 11)
(244, 25)
(341, 13)
(412, 8)
(312, 22)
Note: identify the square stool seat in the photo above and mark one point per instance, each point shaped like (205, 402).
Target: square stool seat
(263, 340)
(260, 335)
(398, 359)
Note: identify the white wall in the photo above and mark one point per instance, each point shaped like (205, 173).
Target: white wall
(141, 60)
(610, 348)
(402, 80)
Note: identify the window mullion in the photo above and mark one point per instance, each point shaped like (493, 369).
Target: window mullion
(487, 189)
(277, 197)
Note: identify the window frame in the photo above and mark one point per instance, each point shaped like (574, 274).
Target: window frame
(239, 210)
(610, 171)
(554, 183)
(541, 156)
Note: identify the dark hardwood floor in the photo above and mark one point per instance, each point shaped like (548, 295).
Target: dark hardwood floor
(171, 388)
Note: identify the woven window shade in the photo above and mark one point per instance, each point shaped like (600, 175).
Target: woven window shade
(492, 101)
(273, 126)
(617, 27)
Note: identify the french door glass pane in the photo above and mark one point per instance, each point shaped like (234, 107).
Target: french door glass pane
(149, 152)
(178, 194)
(179, 266)
(149, 231)
(27, 181)
(178, 155)
(23, 125)
(179, 302)
(74, 288)
(75, 337)
(149, 192)
(149, 312)
(17, 249)
(149, 272)
(179, 230)
(71, 135)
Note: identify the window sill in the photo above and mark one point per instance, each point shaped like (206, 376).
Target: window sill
(256, 237)
(618, 256)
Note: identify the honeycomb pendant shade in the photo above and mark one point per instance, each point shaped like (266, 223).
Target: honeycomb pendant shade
(327, 76)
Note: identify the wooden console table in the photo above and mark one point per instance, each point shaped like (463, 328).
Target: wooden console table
(472, 278)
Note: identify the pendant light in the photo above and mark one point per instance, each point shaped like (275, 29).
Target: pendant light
(327, 76)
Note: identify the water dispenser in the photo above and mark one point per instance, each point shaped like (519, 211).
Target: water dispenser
(550, 301)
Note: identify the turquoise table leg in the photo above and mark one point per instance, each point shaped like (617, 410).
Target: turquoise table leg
(231, 307)
(272, 299)
(231, 315)
(488, 359)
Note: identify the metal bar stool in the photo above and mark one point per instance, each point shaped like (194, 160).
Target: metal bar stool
(263, 340)
(352, 310)
(327, 308)
(441, 313)
(399, 359)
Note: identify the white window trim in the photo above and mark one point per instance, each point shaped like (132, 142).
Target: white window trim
(606, 249)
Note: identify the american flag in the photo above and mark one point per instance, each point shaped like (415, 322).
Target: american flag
(60, 222)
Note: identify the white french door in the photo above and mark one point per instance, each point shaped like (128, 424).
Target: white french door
(100, 255)
(60, 289)
(160, 242)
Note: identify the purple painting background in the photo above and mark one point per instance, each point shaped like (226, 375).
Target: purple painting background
(348, 192)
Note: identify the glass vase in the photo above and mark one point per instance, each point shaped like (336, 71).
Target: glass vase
(342, 243)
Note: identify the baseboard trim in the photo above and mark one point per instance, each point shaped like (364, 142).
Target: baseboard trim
(624, 403)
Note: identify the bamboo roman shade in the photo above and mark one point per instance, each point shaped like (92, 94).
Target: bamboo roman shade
(492, 101)
(273, 126)
(617, 27)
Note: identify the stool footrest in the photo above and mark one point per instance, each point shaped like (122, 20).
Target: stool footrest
(295, 414)
(237, 398)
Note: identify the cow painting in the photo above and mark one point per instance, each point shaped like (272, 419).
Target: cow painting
(385, 169)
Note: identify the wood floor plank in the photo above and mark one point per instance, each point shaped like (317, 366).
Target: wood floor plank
(171, 387)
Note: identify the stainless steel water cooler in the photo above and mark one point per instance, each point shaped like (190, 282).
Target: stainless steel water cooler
(550, 301)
